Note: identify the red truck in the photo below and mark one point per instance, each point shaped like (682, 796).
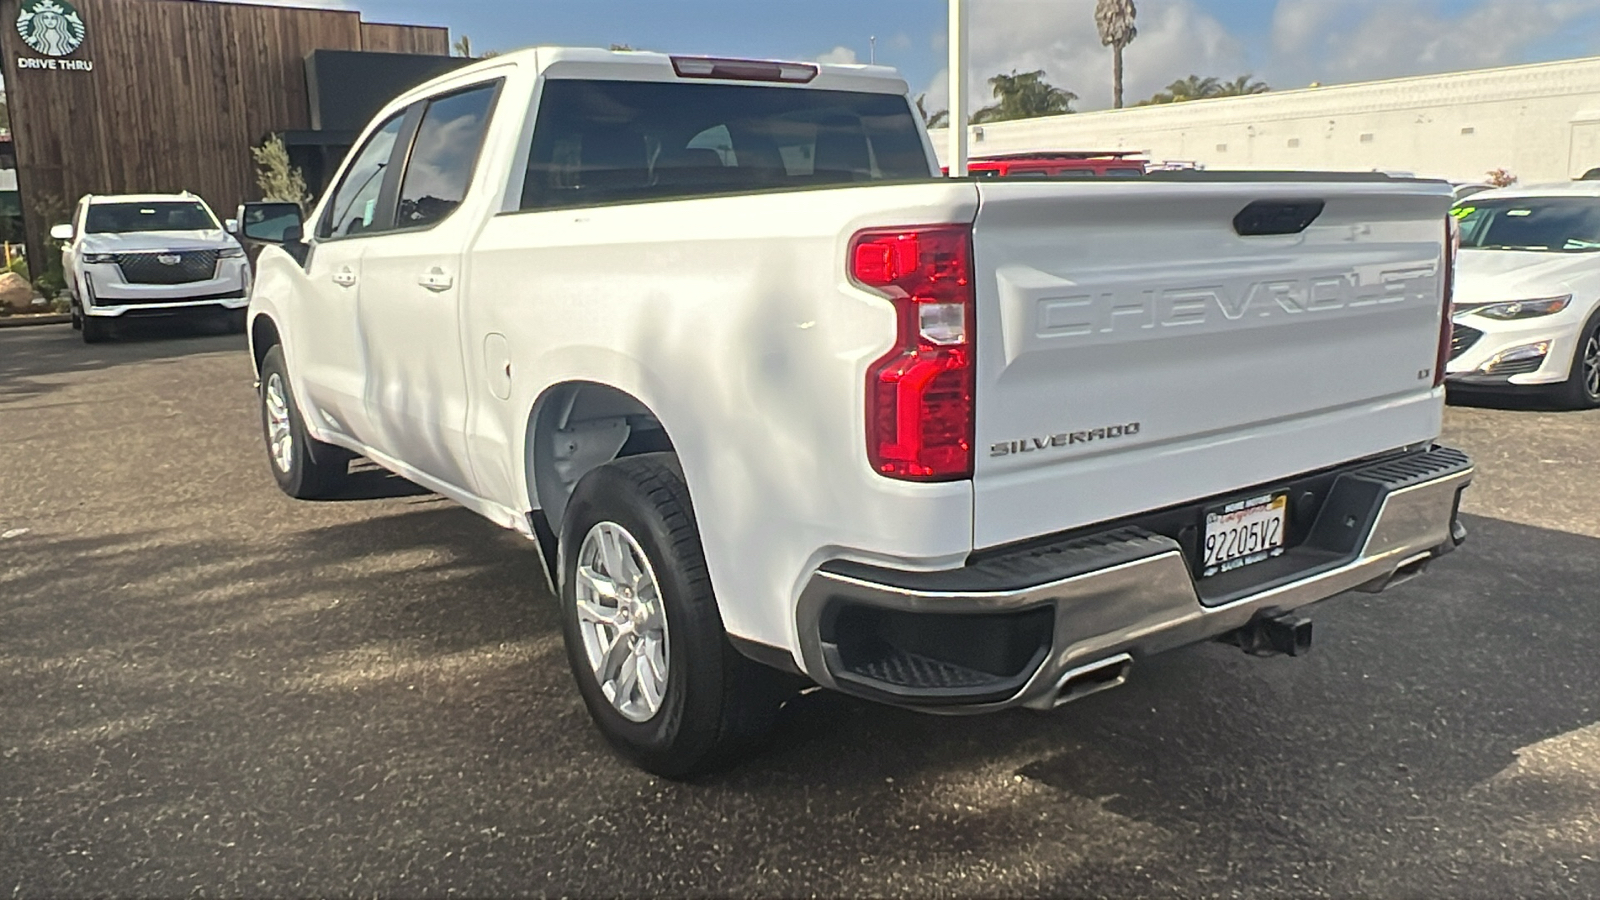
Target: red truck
(1059, 164)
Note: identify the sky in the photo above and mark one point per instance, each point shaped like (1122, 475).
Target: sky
(1287, 43)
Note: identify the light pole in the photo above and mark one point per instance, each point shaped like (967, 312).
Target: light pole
(958, 89)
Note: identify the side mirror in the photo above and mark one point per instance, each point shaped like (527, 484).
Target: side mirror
(62, 232)
(271, 223)
(231, 226)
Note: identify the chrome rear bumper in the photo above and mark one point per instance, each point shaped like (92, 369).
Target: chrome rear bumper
(1118, 596)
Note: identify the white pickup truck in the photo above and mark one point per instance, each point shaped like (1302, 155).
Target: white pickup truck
(781, 406)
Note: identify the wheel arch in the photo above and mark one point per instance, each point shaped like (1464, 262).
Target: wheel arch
(263, 337)
(576, 426)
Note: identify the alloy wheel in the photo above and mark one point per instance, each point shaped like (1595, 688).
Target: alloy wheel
(280, 436)
(1591, 365)
(623, 621)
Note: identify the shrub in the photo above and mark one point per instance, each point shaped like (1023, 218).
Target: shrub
(278, 180)
(53, 280)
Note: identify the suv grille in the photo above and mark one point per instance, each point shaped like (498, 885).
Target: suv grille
(1462, 338)
(174, 267)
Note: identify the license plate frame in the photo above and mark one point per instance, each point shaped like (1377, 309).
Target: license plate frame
(1243, 532)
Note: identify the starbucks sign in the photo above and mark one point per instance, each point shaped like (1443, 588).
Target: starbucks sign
(50, 27)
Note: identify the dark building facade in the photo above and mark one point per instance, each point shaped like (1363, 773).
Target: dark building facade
(124, 96)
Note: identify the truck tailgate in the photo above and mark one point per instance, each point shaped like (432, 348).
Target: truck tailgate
(1135, 351)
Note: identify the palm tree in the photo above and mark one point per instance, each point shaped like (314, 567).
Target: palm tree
(1115, 18)
(1024, 96)
(1241, 86)
(1192, 88)
(939, 118)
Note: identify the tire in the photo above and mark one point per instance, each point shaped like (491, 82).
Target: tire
(77, 318)
(305, 468)
(95, 330)
(1581, 390)
(716, 705)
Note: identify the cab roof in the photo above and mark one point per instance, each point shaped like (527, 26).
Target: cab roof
(644, 65)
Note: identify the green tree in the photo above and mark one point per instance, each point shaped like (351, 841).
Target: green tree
(1242, 87)
(279, 181)
(1196, 88)
(1185, 89)
(1024, 96)
(939, 118)
(1115, 20)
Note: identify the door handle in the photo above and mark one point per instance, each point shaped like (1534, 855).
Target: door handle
(436, 279)
(345, 277)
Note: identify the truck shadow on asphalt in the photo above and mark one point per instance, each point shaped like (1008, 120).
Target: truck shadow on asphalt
(310, 692)
(369, 481)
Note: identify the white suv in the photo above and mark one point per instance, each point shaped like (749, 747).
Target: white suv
(138, 255)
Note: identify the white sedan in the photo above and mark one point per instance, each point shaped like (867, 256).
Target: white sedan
(1527, 297)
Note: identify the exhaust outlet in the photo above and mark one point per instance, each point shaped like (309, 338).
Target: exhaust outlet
(1406, 571)
(1094, 678)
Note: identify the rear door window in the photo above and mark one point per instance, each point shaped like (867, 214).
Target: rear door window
(444, 155)
(612, 141)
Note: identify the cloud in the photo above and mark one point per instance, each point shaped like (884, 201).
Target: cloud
(1361, 40)
(840, 54)
(1330, 41)
(1176, 39)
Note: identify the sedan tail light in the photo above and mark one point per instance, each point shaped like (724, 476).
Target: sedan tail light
(919, 394)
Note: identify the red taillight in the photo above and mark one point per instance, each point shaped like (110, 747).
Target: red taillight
(919, 394)
(1452, 243)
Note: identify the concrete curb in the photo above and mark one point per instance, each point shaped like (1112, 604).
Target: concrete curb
(23, 321)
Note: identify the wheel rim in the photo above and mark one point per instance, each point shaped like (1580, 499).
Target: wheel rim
(280, 437)
(1591, 365)
(623, 621)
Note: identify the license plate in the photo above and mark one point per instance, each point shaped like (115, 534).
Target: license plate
(1244, 533)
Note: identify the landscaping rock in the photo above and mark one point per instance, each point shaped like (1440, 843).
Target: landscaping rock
(16, 292)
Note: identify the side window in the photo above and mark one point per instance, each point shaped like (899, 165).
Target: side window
(355, 201)
(444, 154)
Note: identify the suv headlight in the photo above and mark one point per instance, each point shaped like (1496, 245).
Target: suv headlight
(1525, 309)
(99, 257)
(231, 253)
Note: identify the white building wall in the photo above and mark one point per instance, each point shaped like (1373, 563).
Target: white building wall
(1540, 122)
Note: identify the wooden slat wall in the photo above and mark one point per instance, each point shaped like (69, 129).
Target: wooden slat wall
(381, 37)
(180, 91)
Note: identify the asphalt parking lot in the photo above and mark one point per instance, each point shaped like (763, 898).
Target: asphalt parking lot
(206, 687)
